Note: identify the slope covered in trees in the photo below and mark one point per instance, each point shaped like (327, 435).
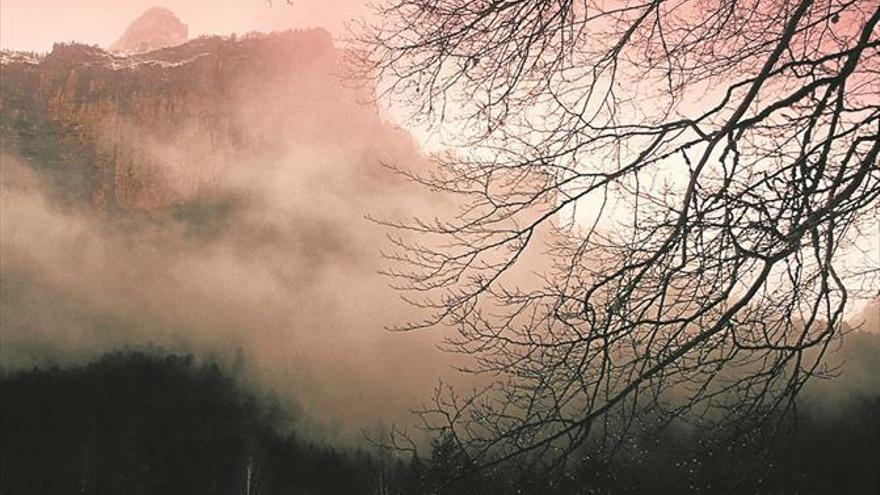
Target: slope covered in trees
(146, 423)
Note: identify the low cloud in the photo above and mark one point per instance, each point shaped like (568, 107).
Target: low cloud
(267, 250)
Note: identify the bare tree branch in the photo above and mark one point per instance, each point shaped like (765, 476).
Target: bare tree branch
(725, 157)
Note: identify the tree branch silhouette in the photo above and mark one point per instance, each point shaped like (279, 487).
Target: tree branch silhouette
(727, 156)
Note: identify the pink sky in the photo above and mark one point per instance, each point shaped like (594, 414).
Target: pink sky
(37, 24)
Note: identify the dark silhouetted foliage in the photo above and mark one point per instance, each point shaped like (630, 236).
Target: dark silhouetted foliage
(139, 423)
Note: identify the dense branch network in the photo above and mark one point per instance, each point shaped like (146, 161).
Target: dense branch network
(718, 162)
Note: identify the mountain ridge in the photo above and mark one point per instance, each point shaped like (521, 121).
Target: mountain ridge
(212, 99)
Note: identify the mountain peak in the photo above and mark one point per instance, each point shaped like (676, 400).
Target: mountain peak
(156, 28)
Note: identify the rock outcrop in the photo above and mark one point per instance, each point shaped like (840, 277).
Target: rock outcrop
(156, 28)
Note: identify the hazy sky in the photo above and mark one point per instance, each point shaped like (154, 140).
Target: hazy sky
(37, 24)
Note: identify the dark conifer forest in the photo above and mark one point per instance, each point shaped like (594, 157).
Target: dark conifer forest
(148, 423)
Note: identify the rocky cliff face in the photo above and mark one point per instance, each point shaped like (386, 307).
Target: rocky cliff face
(149, 130)
(210, 195)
